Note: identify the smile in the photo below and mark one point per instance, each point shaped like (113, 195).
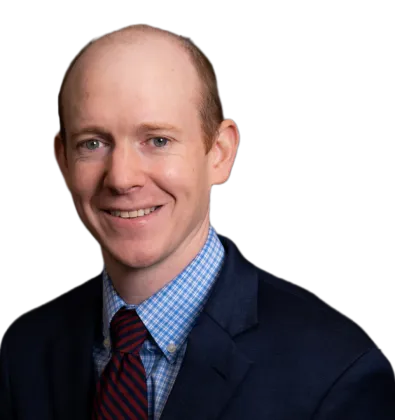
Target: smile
(132, 214)
(122, 220)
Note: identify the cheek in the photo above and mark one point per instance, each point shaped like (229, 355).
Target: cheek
(84, 180)
(185, 180)
(182, 174)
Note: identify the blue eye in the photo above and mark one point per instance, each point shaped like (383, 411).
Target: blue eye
(86, 142)
(163, 141)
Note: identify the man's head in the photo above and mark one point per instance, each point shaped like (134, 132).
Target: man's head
(208, 100)
(139, 130)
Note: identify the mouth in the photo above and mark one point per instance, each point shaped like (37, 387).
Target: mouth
(131, 221)
(132, 215)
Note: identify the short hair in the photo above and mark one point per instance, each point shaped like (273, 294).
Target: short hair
(209, 102)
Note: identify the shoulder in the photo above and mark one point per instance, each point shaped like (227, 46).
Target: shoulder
(51, 316)
(301, 320)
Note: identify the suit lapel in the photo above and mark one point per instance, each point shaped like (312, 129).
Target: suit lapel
(213, 366)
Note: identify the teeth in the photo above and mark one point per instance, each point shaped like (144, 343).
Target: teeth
(133, 214)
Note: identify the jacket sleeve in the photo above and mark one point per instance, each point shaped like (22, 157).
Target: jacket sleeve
(365, 391)
(5, 392)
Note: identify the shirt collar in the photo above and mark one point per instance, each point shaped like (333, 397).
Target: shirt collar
(170, 313)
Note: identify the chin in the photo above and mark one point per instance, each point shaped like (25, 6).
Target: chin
(134, 259)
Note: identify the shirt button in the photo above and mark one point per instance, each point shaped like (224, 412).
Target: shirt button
(107, 343)
(171, 348)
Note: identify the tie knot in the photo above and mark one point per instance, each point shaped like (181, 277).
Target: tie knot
(128, 332)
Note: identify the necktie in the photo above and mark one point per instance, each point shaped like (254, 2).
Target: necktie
(122, 389)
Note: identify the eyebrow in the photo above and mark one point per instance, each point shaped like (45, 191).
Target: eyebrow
(155, 126)
(141, 129)
(93, 129)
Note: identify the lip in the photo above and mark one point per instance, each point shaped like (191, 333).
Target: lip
(129, 209)
(136, 222)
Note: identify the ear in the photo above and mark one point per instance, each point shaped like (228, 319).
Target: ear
(223, 152)
(61, 157)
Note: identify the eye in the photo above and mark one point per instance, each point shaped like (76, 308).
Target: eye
(161, 142)
(84, 144)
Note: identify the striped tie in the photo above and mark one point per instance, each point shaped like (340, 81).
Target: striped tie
(122, 389)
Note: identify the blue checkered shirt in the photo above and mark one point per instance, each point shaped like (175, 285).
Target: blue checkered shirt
(169, 316)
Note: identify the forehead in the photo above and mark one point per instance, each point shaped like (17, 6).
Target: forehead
(131, 81)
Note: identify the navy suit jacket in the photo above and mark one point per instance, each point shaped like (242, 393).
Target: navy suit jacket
(262, 348)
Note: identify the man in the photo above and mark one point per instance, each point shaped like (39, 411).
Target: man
(178, 325)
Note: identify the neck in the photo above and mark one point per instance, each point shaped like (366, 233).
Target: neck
(136, 284)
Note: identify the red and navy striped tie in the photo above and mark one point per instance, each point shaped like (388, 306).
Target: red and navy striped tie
(122, 389)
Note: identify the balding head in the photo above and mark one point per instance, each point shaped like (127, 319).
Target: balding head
(206, 96)
(140, 110)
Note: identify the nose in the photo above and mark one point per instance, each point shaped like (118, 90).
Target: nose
(125, 170)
